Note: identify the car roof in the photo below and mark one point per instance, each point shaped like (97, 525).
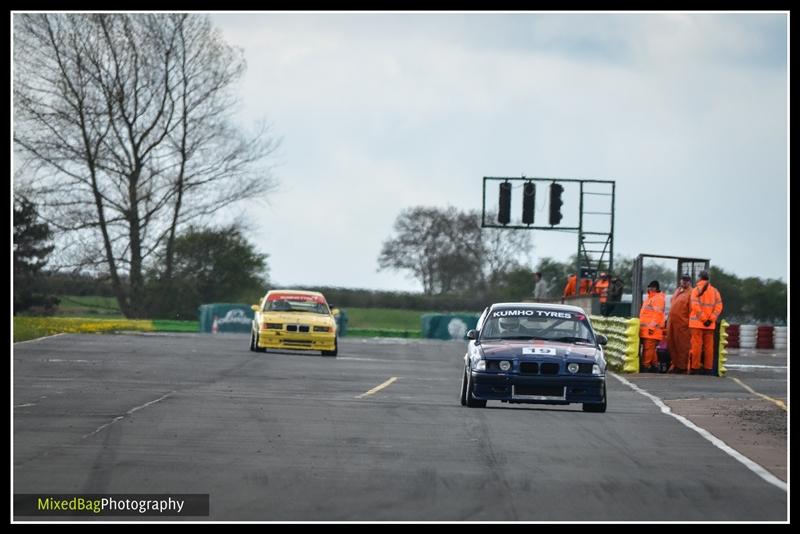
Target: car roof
(538, 306)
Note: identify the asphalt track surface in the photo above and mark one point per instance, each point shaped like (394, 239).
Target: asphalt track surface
(290, 436)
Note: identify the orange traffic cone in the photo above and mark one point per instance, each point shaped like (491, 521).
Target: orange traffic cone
(215, 326)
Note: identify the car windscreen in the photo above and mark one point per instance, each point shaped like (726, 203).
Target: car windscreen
(288, 305)
(527, 323)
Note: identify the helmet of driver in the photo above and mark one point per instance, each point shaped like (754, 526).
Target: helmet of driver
(509, 323)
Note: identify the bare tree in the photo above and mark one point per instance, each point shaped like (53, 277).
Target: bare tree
(421, 239)
(447, 250)
(127, 121)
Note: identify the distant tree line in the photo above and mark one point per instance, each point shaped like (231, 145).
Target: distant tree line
(219, 264)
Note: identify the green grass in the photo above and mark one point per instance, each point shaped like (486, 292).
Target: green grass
(160, 325)
(378, 332)
(370, 318)
(380, 322)
(383, 319)
(74, 305)
(25, 329)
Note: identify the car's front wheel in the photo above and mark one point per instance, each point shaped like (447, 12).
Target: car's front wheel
(257, 348)
(472, 402)
(252, 341)
(464, 387)
(597, 408)
(335, 350)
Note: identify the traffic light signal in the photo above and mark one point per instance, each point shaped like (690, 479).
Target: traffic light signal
(556, 203)
(528, 198)
(504, 213)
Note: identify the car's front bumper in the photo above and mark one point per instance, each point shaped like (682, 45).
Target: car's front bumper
(551, 389)
(296, 340)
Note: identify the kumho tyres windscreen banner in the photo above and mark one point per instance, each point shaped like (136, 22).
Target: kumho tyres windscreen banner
(228, 317)
(448, 326)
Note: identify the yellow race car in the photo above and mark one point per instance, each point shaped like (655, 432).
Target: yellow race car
(294, 319)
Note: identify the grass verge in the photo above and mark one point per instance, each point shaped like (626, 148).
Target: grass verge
(382, 332)
(26, 328)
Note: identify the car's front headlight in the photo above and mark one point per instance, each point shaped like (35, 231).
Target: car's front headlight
(480, 365)
(596, 369)
(322, 329)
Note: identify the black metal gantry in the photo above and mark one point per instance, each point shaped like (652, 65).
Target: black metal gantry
(595, 244)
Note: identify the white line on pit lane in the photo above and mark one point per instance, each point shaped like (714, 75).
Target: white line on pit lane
(754, 366)
(747, 462)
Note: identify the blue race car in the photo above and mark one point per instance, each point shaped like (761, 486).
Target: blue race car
(534, 353)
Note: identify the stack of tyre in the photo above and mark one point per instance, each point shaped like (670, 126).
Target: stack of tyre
(733, 336)
(779, 337)
(764, 336)
(747, 336)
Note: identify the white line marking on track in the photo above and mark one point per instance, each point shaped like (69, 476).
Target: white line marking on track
(378, 388)
(380, 360)
(747, 462)
(129, 412)
(39, 338)
(25, 405)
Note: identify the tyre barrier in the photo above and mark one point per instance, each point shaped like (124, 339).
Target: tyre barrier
(747, 336)
(622, 350)
(764, 337)
(750, 336)
(780, 339)
(733, 336)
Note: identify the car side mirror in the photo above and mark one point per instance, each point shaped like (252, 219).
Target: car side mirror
(601, 339)
(472, 334)
(254, 307)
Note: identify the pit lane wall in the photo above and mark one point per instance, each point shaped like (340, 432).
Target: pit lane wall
(622, 350)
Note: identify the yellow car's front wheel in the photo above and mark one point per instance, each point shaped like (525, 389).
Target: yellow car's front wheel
(254, 343)
(335, 350)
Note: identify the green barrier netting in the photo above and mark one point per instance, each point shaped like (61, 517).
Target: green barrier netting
(229, 317)
(622, 350)
(448, 326)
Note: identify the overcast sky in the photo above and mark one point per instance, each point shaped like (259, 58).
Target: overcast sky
(686, 112)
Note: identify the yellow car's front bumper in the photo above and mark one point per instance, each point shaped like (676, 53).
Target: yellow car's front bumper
(276, 339)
